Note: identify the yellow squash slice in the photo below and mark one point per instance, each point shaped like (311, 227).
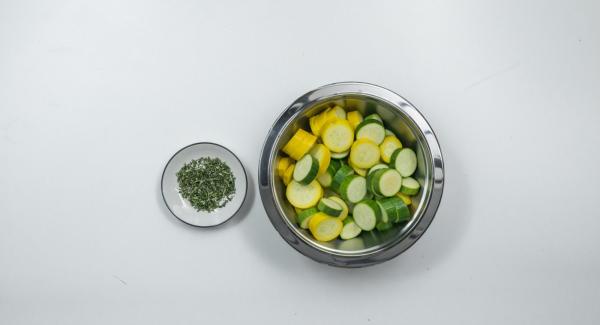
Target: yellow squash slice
(338, 135)
(324, 227)
(300, 144)
(304, 196)
(364, 154)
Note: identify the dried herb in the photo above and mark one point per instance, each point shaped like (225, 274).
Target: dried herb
(207, 183)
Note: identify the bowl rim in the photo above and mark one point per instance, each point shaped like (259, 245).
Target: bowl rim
(266, 161)
(162, 190)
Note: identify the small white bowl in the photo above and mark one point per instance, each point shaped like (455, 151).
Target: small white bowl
(180, 207)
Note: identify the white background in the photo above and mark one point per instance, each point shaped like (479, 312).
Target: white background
(96, 96)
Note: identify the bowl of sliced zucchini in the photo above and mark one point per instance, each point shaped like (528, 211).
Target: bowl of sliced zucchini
(351, 174)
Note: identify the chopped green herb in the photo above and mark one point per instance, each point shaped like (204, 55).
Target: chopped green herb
(207, 183)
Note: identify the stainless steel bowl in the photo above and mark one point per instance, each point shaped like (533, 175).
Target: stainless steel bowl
(405, 121)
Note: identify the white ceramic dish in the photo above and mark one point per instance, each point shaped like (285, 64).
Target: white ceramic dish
(180, 207)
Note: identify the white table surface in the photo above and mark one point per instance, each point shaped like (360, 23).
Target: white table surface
(96, 96)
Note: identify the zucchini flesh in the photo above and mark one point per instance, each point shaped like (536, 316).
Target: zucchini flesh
(385, 217)
(350, 230)
(330, 207)
(306, 170)
(371, 172)
(370, 129)
(354, 188)
(344, 206)
(376, 167)
(366, 214)
(340, 155)
(386, 182)
(410, 186)
(404, 161)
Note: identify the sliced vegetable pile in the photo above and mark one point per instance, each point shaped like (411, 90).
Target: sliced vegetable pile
(348, 175)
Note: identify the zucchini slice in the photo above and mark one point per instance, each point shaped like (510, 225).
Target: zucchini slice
(326, 178)
(395, 209)
(404, 161)
(371, 129)
(385, 217)
(340, 155)
(366, 214)
(386, 182)
(336, 164)
(306, 170)
(343, 204)
(354, 188)
(350, 229)
(330, 207)
(374, 116)
(376, 167)
(370, 174)
(410, 186)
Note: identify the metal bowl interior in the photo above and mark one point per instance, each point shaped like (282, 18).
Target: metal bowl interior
(400, 118)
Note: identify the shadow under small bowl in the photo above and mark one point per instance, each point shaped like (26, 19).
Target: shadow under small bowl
(180, 207)
(399, 116)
